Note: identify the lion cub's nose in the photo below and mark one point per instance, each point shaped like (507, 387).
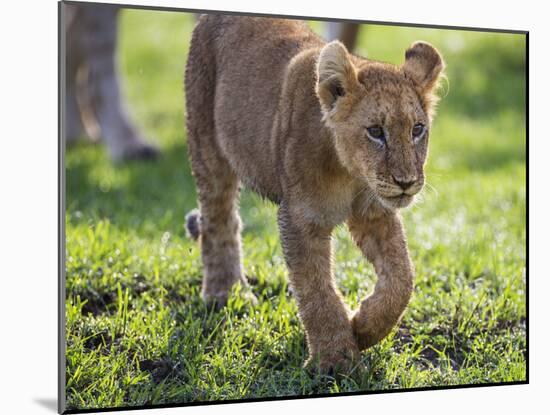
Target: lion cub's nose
(404, 183)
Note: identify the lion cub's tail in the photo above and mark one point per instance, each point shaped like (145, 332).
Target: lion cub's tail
(193, 224)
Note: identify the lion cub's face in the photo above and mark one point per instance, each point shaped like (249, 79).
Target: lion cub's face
(380, 116)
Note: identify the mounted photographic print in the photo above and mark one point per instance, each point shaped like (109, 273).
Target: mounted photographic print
(259, 207)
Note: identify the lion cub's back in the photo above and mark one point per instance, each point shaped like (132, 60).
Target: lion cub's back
(251, 55)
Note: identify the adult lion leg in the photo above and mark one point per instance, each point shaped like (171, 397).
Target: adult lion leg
(307, 250)
(73, 123)
(382, 241)
(93, 37)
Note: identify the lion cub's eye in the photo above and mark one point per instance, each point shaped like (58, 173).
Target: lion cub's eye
(376, 133)
(418, 131)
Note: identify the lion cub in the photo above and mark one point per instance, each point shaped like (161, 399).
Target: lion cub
(329, 137)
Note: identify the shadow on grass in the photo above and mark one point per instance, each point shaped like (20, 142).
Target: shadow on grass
(152, 196)
(149, 191)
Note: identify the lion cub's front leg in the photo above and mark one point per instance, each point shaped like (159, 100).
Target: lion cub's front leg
(382, 241)
(307, 249)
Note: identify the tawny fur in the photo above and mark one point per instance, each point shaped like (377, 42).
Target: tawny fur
(272, 106)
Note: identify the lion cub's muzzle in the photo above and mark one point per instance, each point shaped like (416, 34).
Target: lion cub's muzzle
(399, 192)
(405, 183)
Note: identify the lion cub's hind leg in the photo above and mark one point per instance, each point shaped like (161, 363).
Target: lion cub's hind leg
(217, 225)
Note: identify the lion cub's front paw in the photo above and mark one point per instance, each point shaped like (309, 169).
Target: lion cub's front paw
(335, 362)
(369, 331)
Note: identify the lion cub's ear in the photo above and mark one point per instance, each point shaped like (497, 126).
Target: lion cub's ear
(423, 65)
(336, 75)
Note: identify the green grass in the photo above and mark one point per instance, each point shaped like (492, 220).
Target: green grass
(137, 331)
